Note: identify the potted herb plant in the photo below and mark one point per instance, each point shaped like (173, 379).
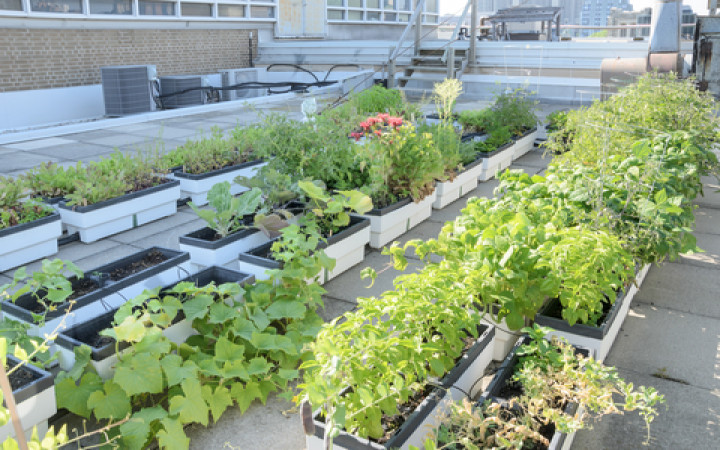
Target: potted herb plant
(119, 193)
(215, 159)
(28, 229)
(326, 225)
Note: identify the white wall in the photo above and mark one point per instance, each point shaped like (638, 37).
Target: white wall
(24, 109)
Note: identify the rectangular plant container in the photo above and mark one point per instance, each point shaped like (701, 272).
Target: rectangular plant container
(197, 186)
(347, 247)
(598, 339)
(35, 401)
(26, 242)
(205, 252)
(103, 356)
(118, 214)
(454, 385)
(108, 295)
(464, 182)
(390, 222)
(559, 441)
(524, 143)
(496, 160)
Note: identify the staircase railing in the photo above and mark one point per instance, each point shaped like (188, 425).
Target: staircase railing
(416, 14)
(455, 33)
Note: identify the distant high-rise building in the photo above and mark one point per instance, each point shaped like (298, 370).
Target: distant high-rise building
(569, 14)
(595, 13)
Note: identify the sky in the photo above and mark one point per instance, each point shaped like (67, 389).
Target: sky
(456, 6)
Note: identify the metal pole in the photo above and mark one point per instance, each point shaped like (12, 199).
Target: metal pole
(451, 63)
(418, 29)
(473, 32)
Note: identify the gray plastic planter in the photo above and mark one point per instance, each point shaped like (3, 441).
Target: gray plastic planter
(460, 380)
(26, 242)
(197, 186)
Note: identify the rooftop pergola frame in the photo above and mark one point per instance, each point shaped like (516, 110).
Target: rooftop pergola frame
(547, 15)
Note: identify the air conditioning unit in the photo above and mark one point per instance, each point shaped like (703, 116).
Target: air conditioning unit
(232, 77)
(187, 90)
(127, 89)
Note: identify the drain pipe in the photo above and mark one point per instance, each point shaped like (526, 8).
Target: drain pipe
(250, 52)
(663, 51)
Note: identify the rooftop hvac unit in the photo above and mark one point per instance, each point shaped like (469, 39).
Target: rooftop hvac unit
(232, 77)
(187, 90)
(127, 89)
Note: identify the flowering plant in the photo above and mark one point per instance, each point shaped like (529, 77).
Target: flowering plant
(400, 161)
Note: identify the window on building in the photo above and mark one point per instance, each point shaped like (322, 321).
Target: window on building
(390, 17)
(389, 4)
(153, 8)
(355, 3)
(372, 4)
(231, 11)
(335, 14)
(57, 6)
(355, 15)
(11, 5)
(262, 12)
(111, 7)
(431, 6)
(196, 9)
(335, 3)
(373, 16)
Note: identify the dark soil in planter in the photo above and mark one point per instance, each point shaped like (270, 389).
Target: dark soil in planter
(83, 286)
(21, 376)
(151, 259)
(148, 183)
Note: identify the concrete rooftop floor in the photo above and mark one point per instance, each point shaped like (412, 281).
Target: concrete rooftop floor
(670, 339)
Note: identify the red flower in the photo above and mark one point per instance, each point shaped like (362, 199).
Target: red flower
(365, 125)
(356, 135)
(383, 116)
(373, 120)
(378, 132)
(395, 121)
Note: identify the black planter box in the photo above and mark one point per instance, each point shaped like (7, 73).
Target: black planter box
(82, 333)
(212, 173)
(22, 308)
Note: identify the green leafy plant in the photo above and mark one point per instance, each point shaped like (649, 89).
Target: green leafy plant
(551, 376)
(49, 180)
(330, 212)
(400, 161)
(497, 138)
(515, 110)
(228, 212)
(13, 209)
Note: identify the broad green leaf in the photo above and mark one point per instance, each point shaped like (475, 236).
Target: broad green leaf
(153, 343)
(192, 406)
(110, 403)
(135, 432)
(312, 190)
(515, 320)
(173, 436)
(176, 370)
(357, 201)
(74, 397)
(259, 366)
(248, 202)
(245, 395)
(286, 309)
(139, 374)
(221, 313)
(83, 354)
(243, 328)
(197, 306)
(218, 400)
(130, 330)
(228, 351)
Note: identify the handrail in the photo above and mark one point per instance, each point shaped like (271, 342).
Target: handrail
(457, 30)
(418, 9)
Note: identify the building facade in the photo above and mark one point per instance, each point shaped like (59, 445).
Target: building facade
(595, 13)
(619, 17)
(63, 43)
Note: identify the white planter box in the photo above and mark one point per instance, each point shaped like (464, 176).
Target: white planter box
(466, 181)
(112, 216)
(504, 339)
(104, 298)
(205, 252)
(103, 357)
(492, 162)
(35, 404)
(599, 339)
(460, 380)
(197, 186)
(347, 248)
(388, 223)
(524, 144)
(26, 242)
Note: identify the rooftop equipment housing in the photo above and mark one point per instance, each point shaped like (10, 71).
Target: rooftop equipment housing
(183, 90)
(127, 89)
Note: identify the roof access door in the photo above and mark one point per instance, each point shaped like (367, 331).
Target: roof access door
(300, 19)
